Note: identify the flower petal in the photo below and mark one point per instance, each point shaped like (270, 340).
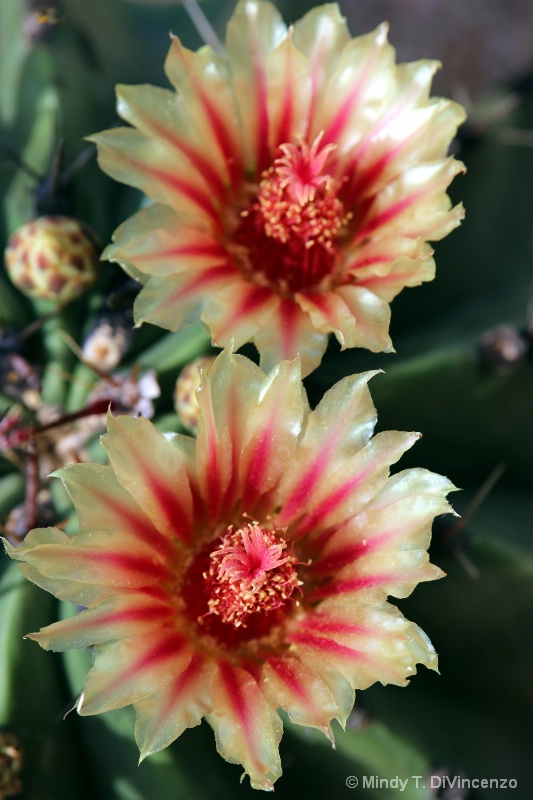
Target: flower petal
(132, 668)
(321, 35)
(288, 93)
(300, 691)
(225, 397)
(399, 517)
(339, 427)
(255, 29)
(344, 491)
(375, 576)
(161, 242)
(174, 301)
(202, 81)
(238, 311)
(358, 90)
(415, 204)
(108, 559)
(357, 316)
(152, 471)
(127, 614)
(273, 425)
(289, 333)
(72, 591)
(132, 158)
(247, 729)
(161, 114)
(364, 643)
(103, 504)
(180, 704)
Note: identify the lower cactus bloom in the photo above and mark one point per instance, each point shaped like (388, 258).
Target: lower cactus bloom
(247, 570)
(296, 183)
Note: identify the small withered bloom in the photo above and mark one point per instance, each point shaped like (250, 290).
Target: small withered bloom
(296, 183)
(246, 570)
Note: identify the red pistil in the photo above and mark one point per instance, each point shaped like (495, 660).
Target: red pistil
(249, 573)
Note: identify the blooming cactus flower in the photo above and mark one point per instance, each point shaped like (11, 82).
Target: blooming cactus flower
(296, 182)
(247, 570)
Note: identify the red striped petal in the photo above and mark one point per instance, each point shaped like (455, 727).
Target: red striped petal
(247, 729)
(130, 669)
(181, 704)
(123, 615)
(299, 690)
(272, 428)
(152, 471)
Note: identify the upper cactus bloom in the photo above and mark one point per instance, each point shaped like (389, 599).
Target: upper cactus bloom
(296, 182)
(247, 570)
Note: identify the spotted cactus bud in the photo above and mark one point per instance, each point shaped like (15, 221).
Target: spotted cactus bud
(189, 380)
(52, 258)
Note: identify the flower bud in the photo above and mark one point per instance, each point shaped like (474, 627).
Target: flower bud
(52, 258)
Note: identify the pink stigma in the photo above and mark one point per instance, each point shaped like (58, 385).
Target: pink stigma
(249, 573)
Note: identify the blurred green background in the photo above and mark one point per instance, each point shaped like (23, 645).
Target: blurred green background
(475, 718)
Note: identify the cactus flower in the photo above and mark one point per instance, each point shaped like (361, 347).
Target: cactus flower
(246, 570)
(296, 182)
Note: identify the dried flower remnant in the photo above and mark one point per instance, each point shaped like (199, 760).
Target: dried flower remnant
(296, 184)
(11, 762)
(246, 570)
(187, 384)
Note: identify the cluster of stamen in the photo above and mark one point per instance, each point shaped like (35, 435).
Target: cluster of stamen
(289, 234)
(296, 200)
(250, 572)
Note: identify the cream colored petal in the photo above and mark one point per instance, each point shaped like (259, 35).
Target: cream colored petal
(126, 614)
(102, 503)
(130, 669)
(380, 574)
(358, 91)
(372, 318)
(272, 427)
(227, 396)
(153, 472)
(255, 30)
(412, 483)
(321, 35)
(399, 517)
(72, 591)
(177, 300)
(203, 83)
(181, 703)
(289, 333)
(412, 129)
(96, 557)
(300, 691)
(137, 160)
(339, 427)
(343, 490)
(364, 643)
(329, 314)
(402, 273)
(158, 241)
(162, 115)
(289, 93)
(247, 728)
(415, 204)
(236, 312)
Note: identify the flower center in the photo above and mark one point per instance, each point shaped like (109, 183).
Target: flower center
(249, 572)
(288, 234)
